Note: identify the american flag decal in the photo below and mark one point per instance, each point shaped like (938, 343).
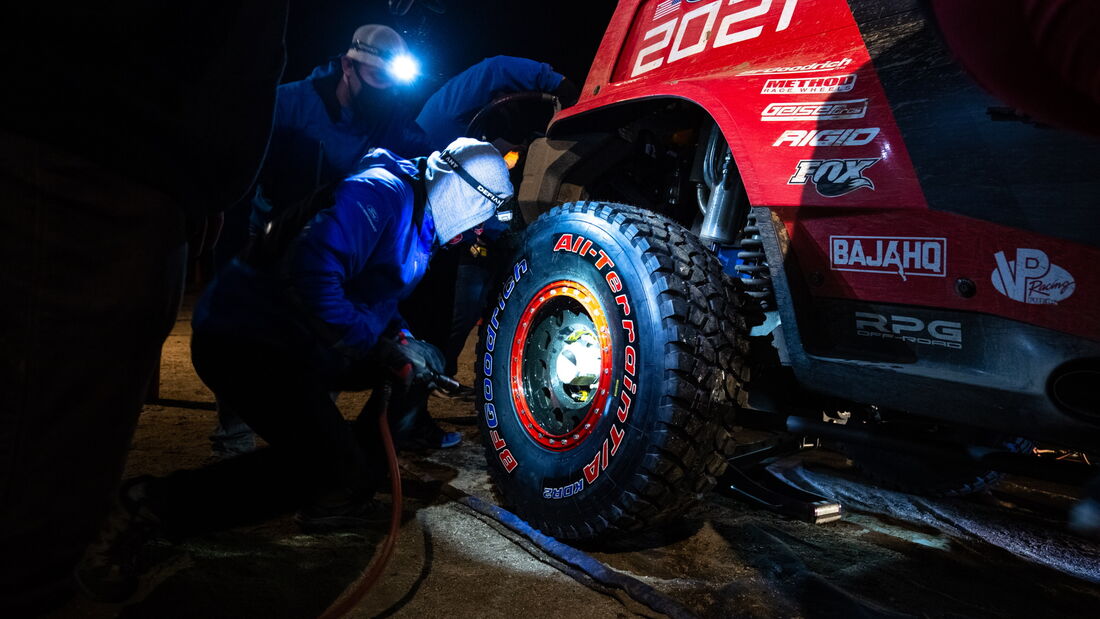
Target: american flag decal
(665, 7)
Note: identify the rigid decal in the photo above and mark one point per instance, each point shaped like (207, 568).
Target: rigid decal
(500, 446)
(903, 256)
(1031, 278)
(815, 110)
(833, 177)
(942, 333)
(809, 85)
(827, 137)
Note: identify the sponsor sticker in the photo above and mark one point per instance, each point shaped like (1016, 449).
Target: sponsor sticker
(815, 110)
(813, 67)
(903, 256)
(833, 177)
(810, 85)
(664, 8)
(827, 137)
(941, 333)
(1031, 278)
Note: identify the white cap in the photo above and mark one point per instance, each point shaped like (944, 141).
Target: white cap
(458, 204)
(375, 45)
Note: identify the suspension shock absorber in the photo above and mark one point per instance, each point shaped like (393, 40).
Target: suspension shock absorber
(752, 265)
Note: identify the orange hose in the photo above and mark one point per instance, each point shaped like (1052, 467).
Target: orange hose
(356, 590)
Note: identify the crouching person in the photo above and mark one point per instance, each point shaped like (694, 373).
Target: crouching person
(304, 315)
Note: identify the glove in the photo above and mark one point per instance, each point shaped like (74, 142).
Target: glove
(414, 361)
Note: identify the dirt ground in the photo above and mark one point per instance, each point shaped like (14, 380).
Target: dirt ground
(999, 554)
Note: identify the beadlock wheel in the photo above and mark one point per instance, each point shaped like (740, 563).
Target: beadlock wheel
(611, 369)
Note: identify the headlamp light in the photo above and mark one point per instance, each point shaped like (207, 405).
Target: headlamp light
(403, 68)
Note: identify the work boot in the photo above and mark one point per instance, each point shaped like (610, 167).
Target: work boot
(430, 436)
(342, 510)
(461, 393)
(108, 570)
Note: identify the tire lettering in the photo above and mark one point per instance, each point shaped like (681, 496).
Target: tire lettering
(592, 469)
(628, 326)
(623, 302)
(564, 242)
(604, 261)
(505, 455)
(508, 461)
(629, 359)
(616, 438)
(624, 410)
(614, 282)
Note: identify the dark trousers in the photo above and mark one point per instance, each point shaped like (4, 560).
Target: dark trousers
(313, 449)
(91, 270)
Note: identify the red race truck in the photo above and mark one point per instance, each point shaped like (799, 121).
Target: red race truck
(796, 215)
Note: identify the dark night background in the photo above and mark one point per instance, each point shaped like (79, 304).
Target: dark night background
(564, 33)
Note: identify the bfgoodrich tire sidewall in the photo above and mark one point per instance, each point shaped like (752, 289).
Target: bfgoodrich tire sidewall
(551, 487)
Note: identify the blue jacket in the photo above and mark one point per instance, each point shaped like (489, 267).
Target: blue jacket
(450, 109)
(316, 142)
(337, 288)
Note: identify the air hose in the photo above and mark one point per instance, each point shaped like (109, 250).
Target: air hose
(354, 593)
(594, 569)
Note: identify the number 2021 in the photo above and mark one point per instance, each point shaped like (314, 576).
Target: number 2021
(726, 34)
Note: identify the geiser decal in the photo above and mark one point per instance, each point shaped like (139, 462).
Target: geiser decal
(833, 177)
(629, 387)
(809, 85)
(815, 110)
(827, 137)
(903, 256)
(942, 333)
(507, 460)
(672, 41)
(1031, 278)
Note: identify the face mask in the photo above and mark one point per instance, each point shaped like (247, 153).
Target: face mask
(372, 107)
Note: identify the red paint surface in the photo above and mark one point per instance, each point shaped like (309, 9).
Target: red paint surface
(728, 81)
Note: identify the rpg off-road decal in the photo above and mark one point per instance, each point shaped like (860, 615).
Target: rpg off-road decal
(1031, 278)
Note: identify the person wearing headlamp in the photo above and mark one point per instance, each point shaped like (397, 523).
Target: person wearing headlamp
(323, 126)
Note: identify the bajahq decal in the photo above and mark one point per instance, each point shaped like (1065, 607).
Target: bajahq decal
(903, 256)
(833, 177)
(1031, 278)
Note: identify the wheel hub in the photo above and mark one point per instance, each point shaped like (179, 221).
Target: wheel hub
(561, 365)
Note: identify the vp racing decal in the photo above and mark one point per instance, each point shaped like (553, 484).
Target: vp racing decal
(1031, 278)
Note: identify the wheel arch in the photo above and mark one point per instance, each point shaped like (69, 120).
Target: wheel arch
(582, 144)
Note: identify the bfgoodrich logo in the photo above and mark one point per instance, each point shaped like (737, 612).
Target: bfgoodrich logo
(1032, 278)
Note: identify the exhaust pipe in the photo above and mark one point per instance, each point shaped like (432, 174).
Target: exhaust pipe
(1075, 388)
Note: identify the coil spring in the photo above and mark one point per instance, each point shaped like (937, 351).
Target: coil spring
(753, 265)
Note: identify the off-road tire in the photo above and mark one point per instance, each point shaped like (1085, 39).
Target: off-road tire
(688, 342)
